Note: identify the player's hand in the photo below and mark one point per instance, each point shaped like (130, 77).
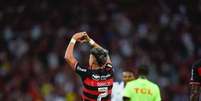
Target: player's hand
(86, 37)
(79, 36)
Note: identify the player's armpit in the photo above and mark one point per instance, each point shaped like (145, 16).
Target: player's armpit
(126, 99)
(194, 91)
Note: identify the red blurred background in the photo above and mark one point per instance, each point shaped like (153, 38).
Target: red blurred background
(163, 34)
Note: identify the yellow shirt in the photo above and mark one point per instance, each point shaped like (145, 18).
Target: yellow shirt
(142, 90)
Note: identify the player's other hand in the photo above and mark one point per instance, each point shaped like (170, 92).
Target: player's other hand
(86, 37)
(80, 36)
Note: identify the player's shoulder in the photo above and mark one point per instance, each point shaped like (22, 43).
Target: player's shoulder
(135, 81)
(131, 83)
(154, 85)
(109, 65)
(81, 68)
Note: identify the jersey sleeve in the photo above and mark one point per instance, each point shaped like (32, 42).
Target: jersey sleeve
(81, 71)
(109, 68)
(127, 91)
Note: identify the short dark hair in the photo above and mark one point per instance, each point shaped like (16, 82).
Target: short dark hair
(131, 70)
(100, 55)
(143, 70)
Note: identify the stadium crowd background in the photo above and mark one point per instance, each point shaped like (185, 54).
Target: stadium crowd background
(163, 34)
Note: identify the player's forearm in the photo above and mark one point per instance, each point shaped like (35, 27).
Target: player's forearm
(194, 93)
(69, 56)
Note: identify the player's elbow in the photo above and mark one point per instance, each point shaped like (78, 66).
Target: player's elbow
(70, 60)
(67, 57)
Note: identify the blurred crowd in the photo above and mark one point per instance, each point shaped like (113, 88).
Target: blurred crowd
(165, 35)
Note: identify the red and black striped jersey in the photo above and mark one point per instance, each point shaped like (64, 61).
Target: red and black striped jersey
(97, 84)
(196, 74)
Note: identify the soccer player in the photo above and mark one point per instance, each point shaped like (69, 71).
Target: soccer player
(195, 81)
(97, 79)
(118, 87)
(141, 89)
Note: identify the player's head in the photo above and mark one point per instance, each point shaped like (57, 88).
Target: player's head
(98, 57)
(128, 75)
(143, 70)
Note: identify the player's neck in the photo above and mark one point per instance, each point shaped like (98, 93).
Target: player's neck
(95, 67)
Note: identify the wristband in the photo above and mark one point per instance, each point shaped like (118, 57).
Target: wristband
(91, 42)
(73, 41)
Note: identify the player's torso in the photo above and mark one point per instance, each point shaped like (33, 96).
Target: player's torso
(97, 86)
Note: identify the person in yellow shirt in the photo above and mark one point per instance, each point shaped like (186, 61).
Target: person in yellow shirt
(118, 87)
(141, 89)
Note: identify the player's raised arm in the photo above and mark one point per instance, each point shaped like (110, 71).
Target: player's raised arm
(96, 45)
(69, 56)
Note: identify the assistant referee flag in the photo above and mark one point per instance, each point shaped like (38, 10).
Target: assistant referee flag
(142, 90)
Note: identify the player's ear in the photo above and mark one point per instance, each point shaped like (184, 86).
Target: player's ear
(95, 60)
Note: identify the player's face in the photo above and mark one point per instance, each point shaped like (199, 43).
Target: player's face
(127, 76)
